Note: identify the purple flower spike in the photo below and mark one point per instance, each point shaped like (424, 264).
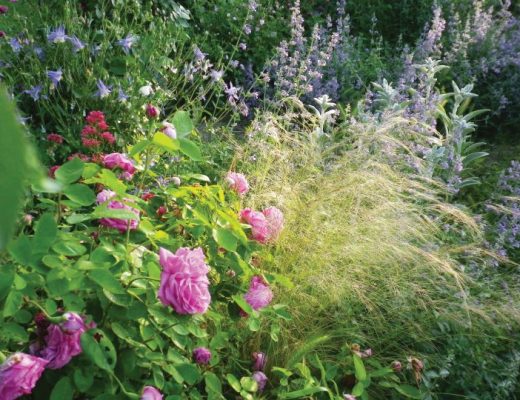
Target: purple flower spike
(57, 36)
(55, 77)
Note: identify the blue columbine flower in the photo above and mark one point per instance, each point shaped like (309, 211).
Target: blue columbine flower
(103, 90)
(216, 75)
(34, 92)
(57, 36)
(127, 43)
(55, 77)
(122, 96)
(16, 45)
(199, 55)
(76, 43)
(39, 52)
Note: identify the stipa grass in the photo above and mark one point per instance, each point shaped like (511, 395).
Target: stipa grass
(365, 244)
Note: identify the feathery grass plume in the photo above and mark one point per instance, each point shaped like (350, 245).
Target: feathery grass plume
(364, 242)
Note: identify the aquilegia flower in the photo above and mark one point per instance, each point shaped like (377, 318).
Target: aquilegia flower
(55, 77)
(127, 43)
(57, 35)
(199, 55)
(120, 224)
(16, 45)
(76, 43)
(34, 92)
(216, 75)
(151, 393)
(62, 341)
(184, 281)
(237, 182)
(261, 379)
(121, 95)
(202, 355)
(275, 220)
(103, 90)
(259, 294)
(258, 223)
(19, 374)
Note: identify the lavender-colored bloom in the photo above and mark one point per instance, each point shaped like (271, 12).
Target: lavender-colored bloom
(261, 379)
(232, 93)
(247, 29)
(34, 92)
(76, 43)
(199, 55)
(55, 77)
(202, 355)
(16, 45)
(127, 43)
(103, 90)
(242, 46)
(121, 95)
(253, 5)
(216, 75)
(57, 36)
(260, 360)
(39, 52)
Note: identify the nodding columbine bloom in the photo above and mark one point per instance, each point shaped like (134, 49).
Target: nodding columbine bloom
(55, 77)
(16, 45)
(216, 75)
(199, 55)
(76, 43)
(247, 29)
(232, 93)
(34, 92)
(242, 46)
(58, 35)
(121, 95)
(103, 90)
(260, 379)
(127, 43)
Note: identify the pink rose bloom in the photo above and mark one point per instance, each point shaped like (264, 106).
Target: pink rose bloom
(237, 182)
(120, 224)
(259, 294)
(275, 221)
(151, 393)
(19, 374)
(118, 160)
(72, 323)
(202, 355)
(169, 130)
(184, 281)
(258, 223)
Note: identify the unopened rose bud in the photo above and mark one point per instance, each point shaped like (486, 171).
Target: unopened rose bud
(231, 273)
(152, 111)
(28, 219)
(396, 366)
(161, 211)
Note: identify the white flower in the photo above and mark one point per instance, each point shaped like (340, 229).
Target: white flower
(146, 90)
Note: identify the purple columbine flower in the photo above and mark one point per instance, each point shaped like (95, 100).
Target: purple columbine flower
(216, 75)
(103, 90)
(127, 43)
(39, 52)
(55, 77)
(57, 35)
(232, 92)
(76, 43)
(242, 46)
(247, 29)
(16, 45)
(34, 92)
(199, 55)
(121, 95)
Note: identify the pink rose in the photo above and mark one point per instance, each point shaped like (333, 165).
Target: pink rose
(258, 223)
(151, 393)
(259, 294)
(202, 355)
(237, 182)
(19, 374)
(120, 224)
(275, 221)
(118, 160)
(184, 281)
(169, 130)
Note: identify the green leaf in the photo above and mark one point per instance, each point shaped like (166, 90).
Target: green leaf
(298, 394)
(408, 391)
(21, 250)
(80, 194)
(165, 142)
(70, 171)
(69, 248)
(190, 149)
(381, 372)
(13, 302)
(46, 232)
(225, 239)
(139, 147)
(242, 304)
(213, 385)
(106, 280)
(158, 376)
(358, 389)
(83, 379)
(359, 368)
(102, 353)
(15, 332)
(63, 390)
(109, 179)
(7, 273)
(102, 211)
(189, 372)
(13, 164)
(249, 384)
(233, 382)
(182, 123)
